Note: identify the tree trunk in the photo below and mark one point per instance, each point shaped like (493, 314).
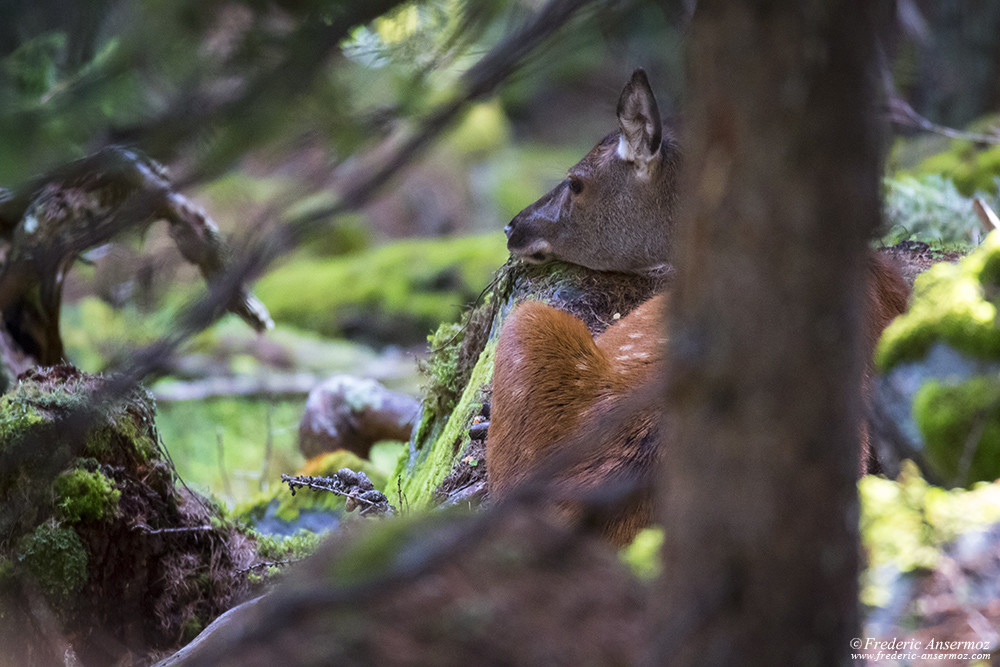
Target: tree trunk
(759, 499)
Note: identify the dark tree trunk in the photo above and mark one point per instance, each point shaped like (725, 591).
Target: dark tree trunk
(759, 497)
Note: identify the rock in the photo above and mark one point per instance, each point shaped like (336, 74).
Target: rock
(346, 412)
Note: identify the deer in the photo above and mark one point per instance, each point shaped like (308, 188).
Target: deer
(555, 386)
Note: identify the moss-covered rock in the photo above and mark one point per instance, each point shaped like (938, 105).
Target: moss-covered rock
(940, 361)
(392, 294)
(954, 304)
(93, 518)
(460, 369)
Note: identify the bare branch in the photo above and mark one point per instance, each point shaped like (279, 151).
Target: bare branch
(901, 113)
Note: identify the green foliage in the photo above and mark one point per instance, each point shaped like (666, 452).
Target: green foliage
(952, 303)
(55, 557)
(644, 554)
(96, 334)
(906, 522)
(960, 424)
(395, 293)
(484, 128)
(972, 167)
(83, 495)
(929, 207)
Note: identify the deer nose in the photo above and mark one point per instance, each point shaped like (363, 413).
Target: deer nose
(508, 230)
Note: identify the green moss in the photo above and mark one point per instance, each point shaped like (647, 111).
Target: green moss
(276, 548)
(441, 368)
(134, 431)
(82, 495)
(128, 422)
(952, 303)
(16, 418)
(437, 461)
(401, 289)
(55, 557)
(961, 428)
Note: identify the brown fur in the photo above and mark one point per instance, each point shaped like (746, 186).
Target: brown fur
(886, 296)
(553, 382)
(554, 386)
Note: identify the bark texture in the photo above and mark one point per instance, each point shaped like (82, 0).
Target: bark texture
(759, 498)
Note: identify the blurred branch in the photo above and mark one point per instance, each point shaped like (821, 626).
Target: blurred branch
(307, 50)
(54, 219)
(481, 80)
(901, 113)
(986, 214)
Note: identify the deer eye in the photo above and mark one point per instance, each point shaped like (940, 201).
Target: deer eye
(575, 185)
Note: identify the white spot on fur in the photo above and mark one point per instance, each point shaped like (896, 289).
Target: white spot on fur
(622, 151)
(623, 358)
(642, 163)
(641, 355)
(635, 335)
(625, 348)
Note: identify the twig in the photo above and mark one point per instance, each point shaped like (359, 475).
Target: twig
(901, 113)
(156, 531)
(226, 487)
(987, 215)
(355, 486)
(268, 447)
(267, 563)
(404, 504)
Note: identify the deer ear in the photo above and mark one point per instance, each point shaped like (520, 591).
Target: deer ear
(639, 120)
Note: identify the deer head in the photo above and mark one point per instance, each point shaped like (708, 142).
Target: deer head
(614, 209)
